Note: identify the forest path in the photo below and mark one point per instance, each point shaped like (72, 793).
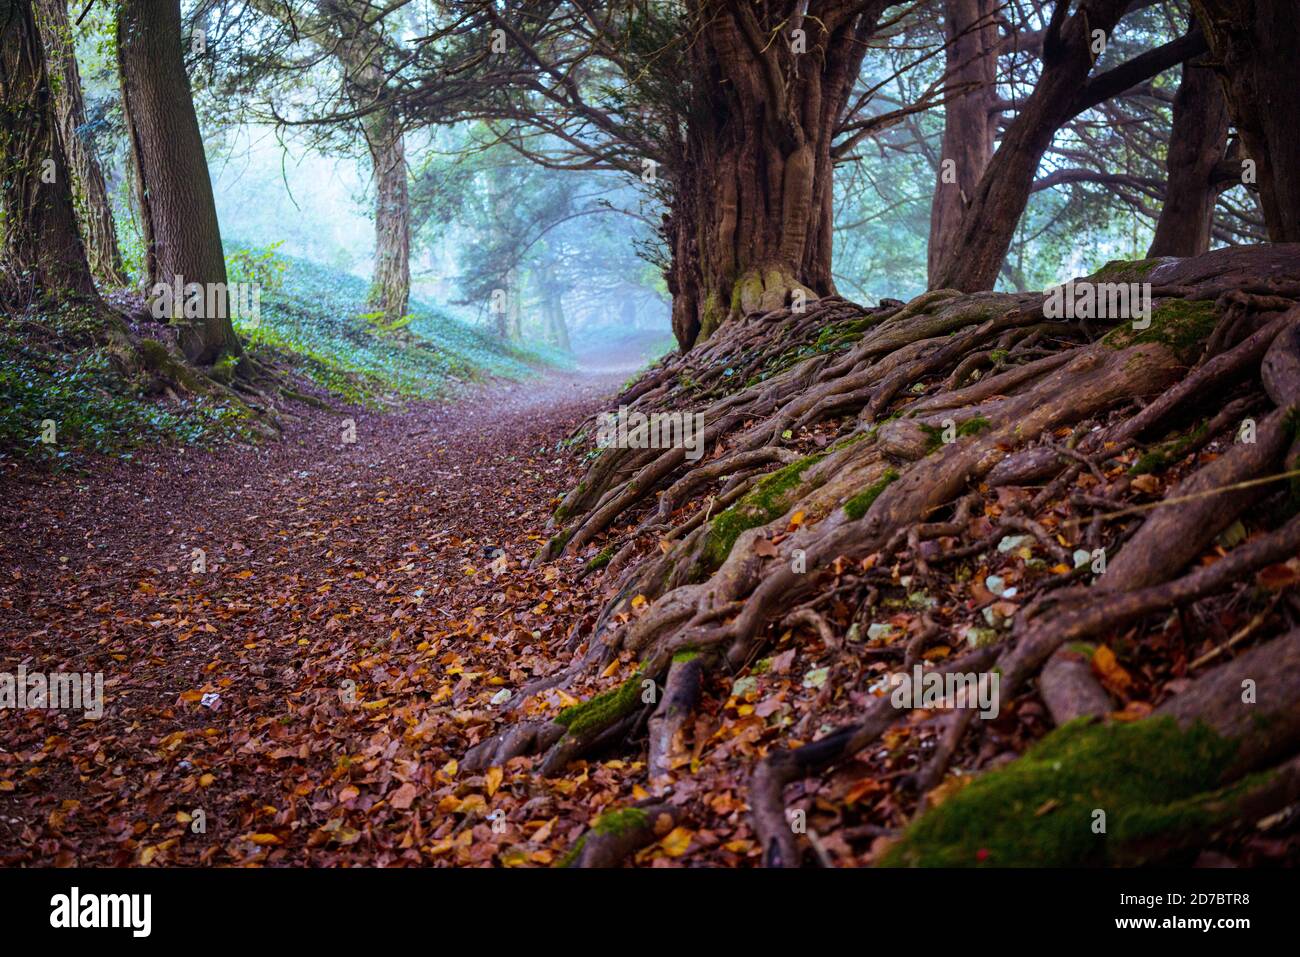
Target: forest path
(308, 688)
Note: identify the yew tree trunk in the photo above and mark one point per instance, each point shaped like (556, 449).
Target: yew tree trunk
(972, 261)
(1196, 145)
(970, 123)
(89, 190)
(750, 213)
(178, 212)
(1254, 44)
(41, 242)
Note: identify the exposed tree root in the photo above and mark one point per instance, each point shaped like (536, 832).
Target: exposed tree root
(849, 449)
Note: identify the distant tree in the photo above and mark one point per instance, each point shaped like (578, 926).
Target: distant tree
(352, 34)
(1071, 45)
(1197, 145)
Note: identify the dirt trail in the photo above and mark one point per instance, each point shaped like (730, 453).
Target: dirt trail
(305, 681)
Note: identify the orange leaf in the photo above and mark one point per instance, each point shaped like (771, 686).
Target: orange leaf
(1110, 671)
(403, 796)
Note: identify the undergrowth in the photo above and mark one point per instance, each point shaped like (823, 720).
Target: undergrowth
(62, 399)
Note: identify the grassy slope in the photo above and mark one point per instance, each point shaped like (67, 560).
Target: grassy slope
(311, 319)
(317, 319)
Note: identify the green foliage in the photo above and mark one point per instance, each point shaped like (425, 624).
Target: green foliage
(317, 318)
(264, 266)
(93, 408)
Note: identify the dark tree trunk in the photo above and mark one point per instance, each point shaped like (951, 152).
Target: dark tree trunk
(1196, 145)
(89, 190)
(178, 213)
(970, 123)
(1254, 43)
(973, 261)
(42, 244)
(750, 221)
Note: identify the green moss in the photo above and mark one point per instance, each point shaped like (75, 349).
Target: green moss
(557, 542)
(1125, 270)
(571, 855)
(768, 501)
(601, 560)
(972, 426)
(611, 822)
(1039, 810)
(603, 710)
(711, 316)
(750, 286)
(1180, 324)
(621, 821)
(843, 333)
(857, 506)
(854, 439)
(685, 655)
(1165, 454)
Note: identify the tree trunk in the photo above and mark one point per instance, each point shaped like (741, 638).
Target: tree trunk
(1196, 144)
(971, 263)
(1254, 43)
(970, 124)
(750, 213)
(345, 31)
(559, 329)
(178, 213)
(89, 190)
(392, 284)
(41, 241)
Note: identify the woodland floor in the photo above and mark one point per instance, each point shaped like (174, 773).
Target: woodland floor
(364, 609)
(326, 563)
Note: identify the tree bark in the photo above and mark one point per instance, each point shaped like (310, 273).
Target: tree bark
(1196, 145)
(178, 212)
(89, 190)
(391, 288)
(41, 241)
(750, 212)
(973, 261)
(970, 123)
(1254, 44)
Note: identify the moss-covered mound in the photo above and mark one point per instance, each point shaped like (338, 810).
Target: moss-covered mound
(1087, 794)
